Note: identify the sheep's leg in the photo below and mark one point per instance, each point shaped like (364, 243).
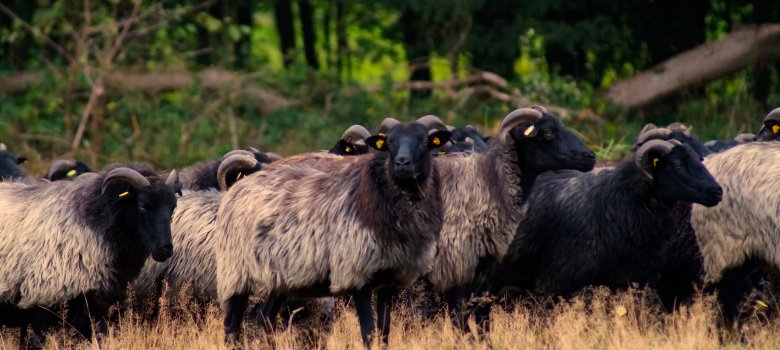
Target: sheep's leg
(234, 314)
(384, 305)
(39, 321)
(365, 314)
(733, 288)
(455, 298)
(270, 310)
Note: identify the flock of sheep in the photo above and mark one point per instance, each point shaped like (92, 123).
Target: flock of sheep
(466, 215)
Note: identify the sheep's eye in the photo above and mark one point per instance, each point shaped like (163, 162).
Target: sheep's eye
(549, 135)
(142, 210)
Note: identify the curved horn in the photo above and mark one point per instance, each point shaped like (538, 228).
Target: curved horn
(662, 146)
(130, 176)
(238, 151)
(432, 122)
(646, 128)
(774, 114)
(273, 156)
(654, 134)
(517, 117)
(236, 161)
(3, 147)
(540, 108)
(387, 124)
(173, 178)
(355, 132)
(60, 164)
(677, 126)
(743, 138)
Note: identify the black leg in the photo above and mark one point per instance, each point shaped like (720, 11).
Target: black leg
(365, 314)
(482, 310)
(455, 298)
(270, 310)
(384, 305)
(733, 288)
(39, 321)
(234, 314)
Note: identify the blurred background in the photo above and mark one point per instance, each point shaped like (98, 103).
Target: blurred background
(173, 82)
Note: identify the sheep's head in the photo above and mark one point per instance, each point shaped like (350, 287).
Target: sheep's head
(63, 169)
(674, 131)
(352, 142)
(542, 143)
(677, 173)
(145, 205)
(409, 146)
(9, 164)
(770, 131)
(236, 165)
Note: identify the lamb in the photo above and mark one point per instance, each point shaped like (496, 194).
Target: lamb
(482, 193)
(360, 224)
(611, 227)
(192, 230)
(743, 233)
(66, 169)
(80, 242)
(9, 165)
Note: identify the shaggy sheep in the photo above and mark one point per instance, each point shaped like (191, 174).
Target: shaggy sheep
(80, 242)
(67, 169)
(466, 139)
(9, 165)
(361, 224)
(192, 230)
(743, 233)
(482, 193)
(352, 142)
(610, 227)
(674, 131)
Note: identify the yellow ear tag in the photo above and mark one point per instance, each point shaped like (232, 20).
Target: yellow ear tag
(125, 193)
(348, 149)
(71, 173)
(381, 134)
(380, 143)
(529, 131)
(775, 129)
(655, 162)
(762, 304)
(436, 141)
(240, 175)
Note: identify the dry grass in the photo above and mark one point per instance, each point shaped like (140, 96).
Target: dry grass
(605, 321)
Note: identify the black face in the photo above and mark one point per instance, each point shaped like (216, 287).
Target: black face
(9, 166)
(70, 172)
(409, 146)
(681, 176)
(149, 210)
(465, 140)
(548, 145)
(346, 148)
(770, 131)
(234, 175)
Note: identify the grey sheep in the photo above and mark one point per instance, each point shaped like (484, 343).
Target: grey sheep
(192, 229)
(357, 225)
(482, 194)
(80, 242)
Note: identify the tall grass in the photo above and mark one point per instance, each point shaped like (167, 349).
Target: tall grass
(599, 321)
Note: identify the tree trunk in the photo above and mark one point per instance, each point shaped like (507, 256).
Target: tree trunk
(243, 49)
(417, 51)
(306, 14)
(699, 65)
(284, 25)
(341, 38)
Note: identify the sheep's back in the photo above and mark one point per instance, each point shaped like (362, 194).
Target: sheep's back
(746, 223)
(47, 253)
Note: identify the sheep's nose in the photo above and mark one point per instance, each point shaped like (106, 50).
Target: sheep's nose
(589, 155)
(401, 161)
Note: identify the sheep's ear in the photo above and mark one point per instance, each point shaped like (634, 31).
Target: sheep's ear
(438, 138)
(345, 147)
(377, 142)
(773, 126)
(21, 160)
